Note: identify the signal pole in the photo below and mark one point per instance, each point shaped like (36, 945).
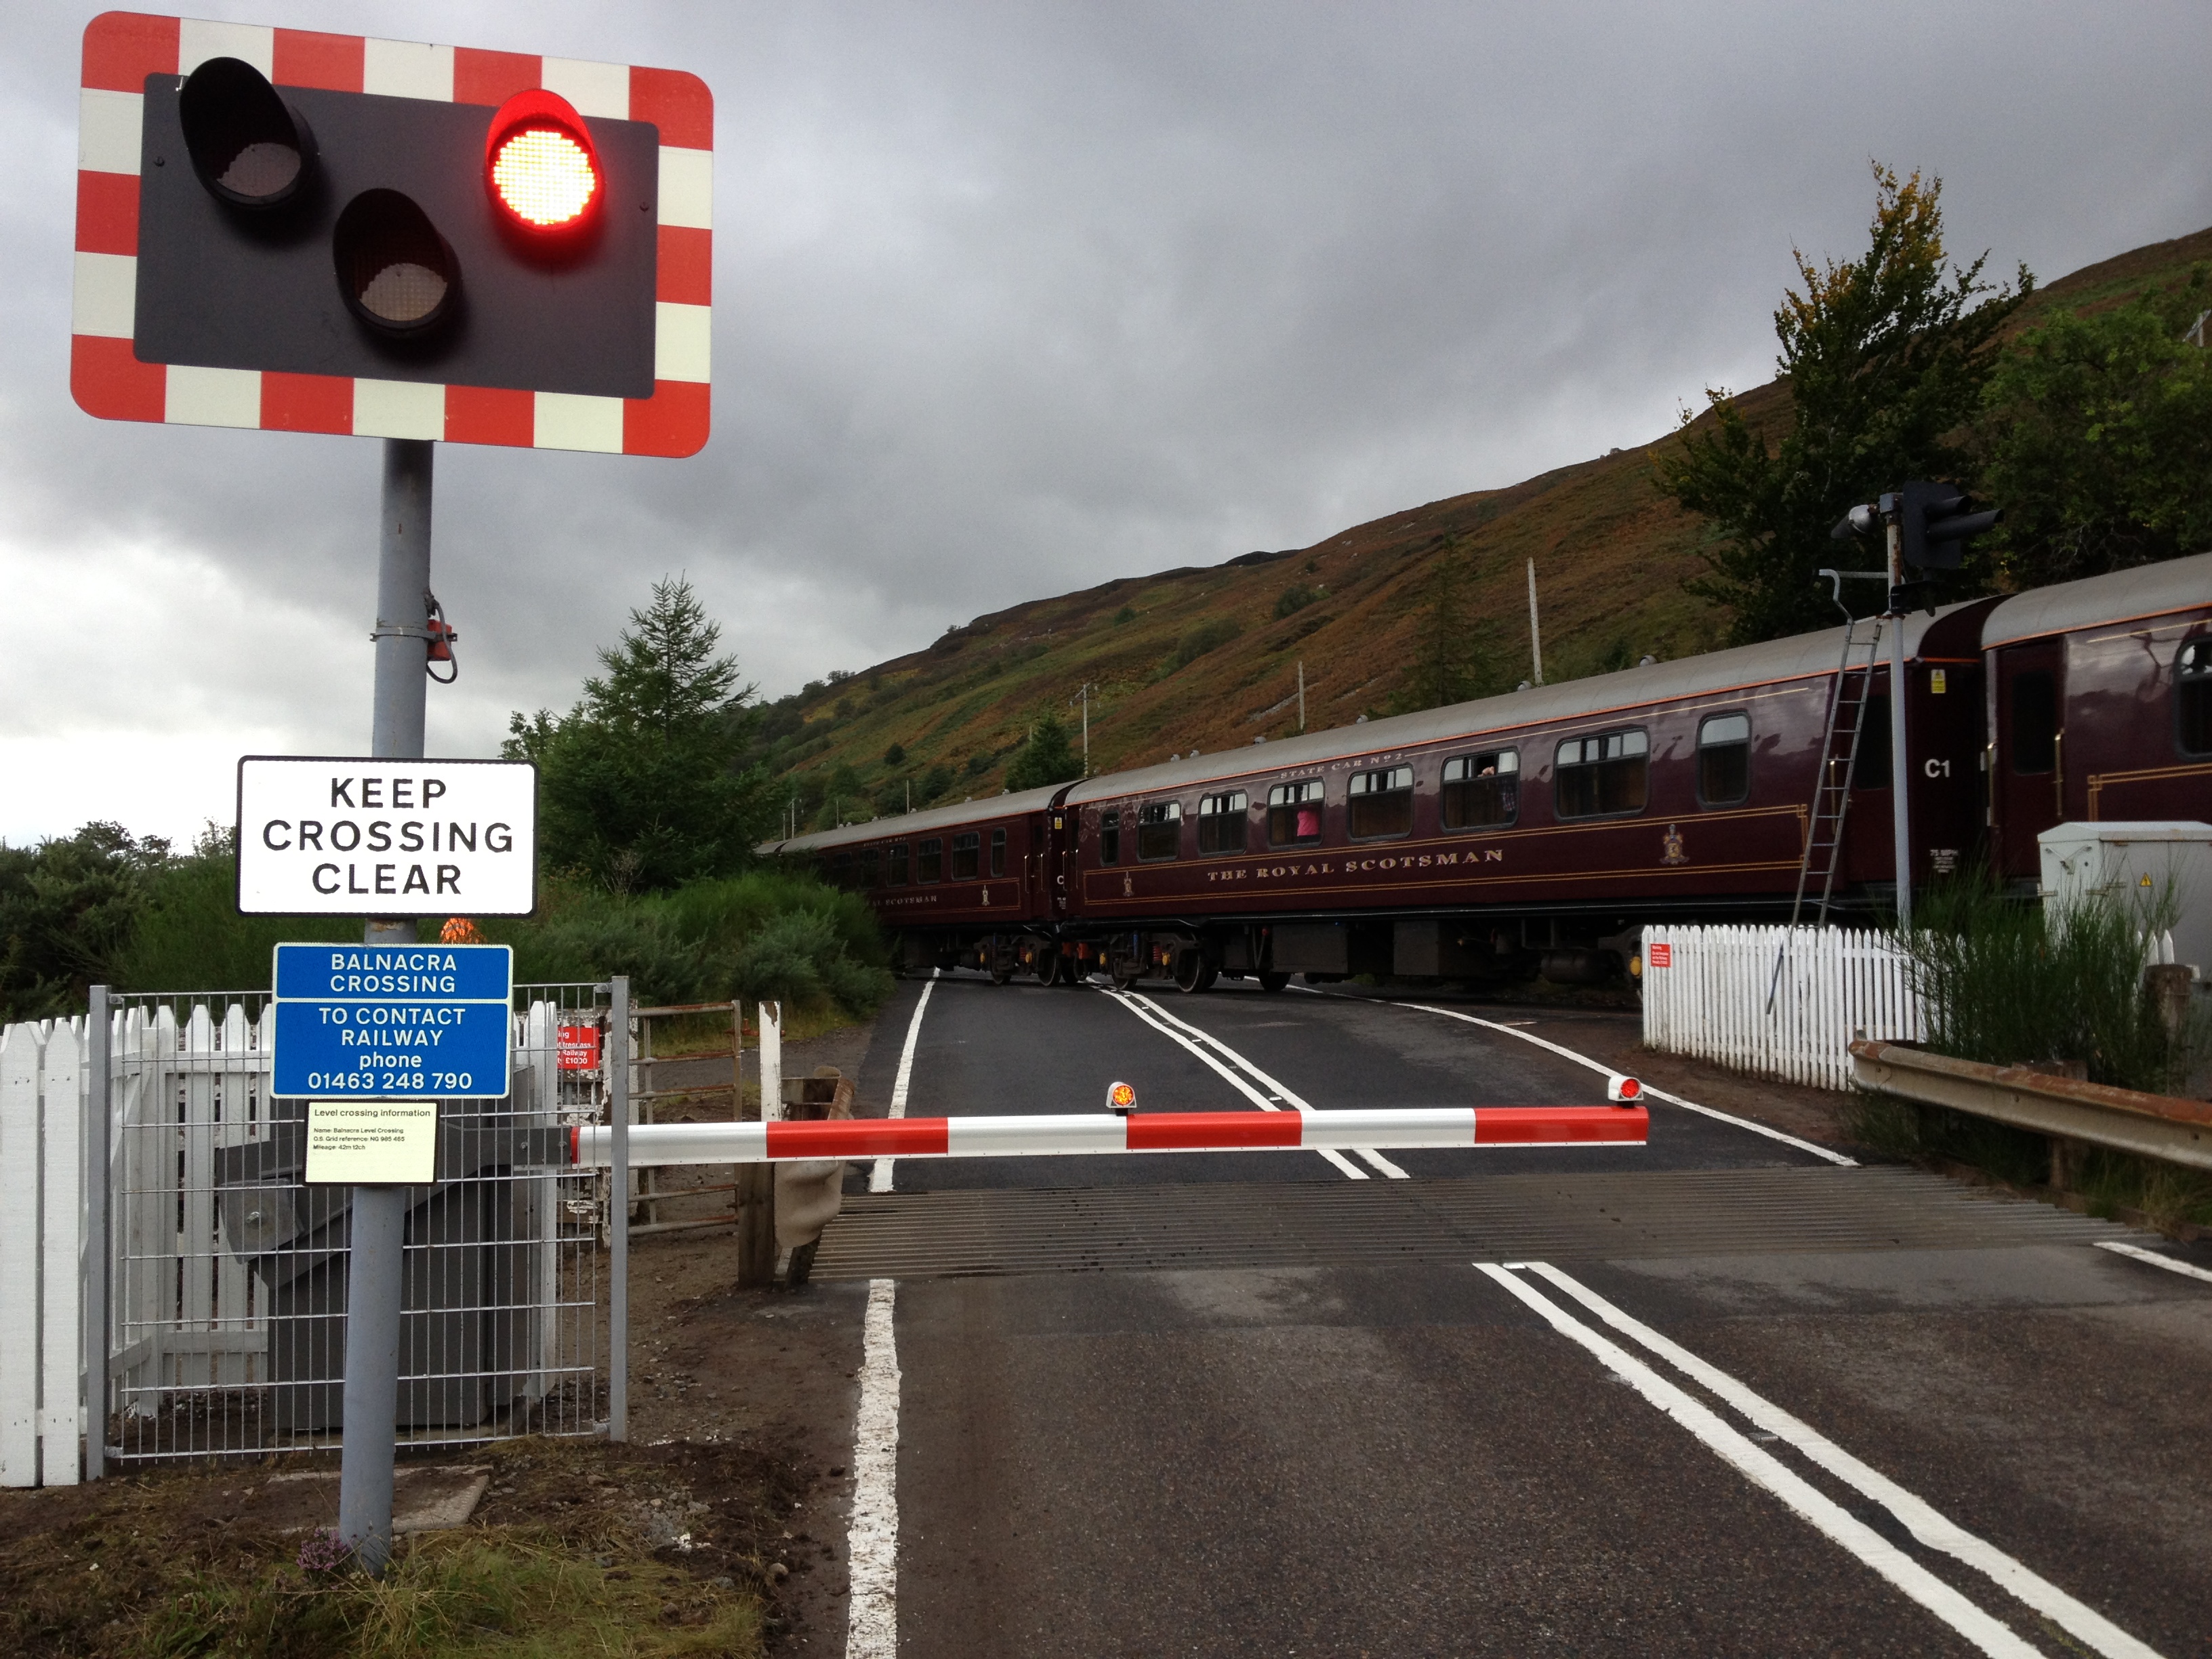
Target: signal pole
(1900, 780)
(1302, 694)
(378, 1229)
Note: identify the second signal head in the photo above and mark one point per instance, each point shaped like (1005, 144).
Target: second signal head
(542, 171)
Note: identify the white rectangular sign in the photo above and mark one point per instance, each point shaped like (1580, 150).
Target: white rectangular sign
(373, 1143)
(319, 837)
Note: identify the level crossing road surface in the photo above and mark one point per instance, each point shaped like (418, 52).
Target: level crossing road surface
(1723, 1394)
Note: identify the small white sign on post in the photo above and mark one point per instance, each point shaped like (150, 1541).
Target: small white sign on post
(336, 837)
(373, 1143)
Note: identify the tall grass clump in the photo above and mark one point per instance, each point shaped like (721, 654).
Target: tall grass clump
(2008, 983)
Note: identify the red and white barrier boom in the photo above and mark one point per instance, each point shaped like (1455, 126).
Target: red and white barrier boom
(1072, 1134)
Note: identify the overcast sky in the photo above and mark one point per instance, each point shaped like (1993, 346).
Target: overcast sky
(1012, 299)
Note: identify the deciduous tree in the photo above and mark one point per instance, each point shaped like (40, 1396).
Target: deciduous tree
(1885, 356)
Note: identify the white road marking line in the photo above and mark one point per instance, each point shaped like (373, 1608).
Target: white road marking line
(2137, 1253)
(1918, 1518)
(1145, 1011)
(1281, 1092)
(1764, 1470)
(1756, 1128)
(879, 1178)
(872, 1541)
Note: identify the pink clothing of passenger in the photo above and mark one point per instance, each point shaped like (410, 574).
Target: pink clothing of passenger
(1308, 824)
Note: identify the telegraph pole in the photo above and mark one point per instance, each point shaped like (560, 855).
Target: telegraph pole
(1084, 697)
(1536, 634)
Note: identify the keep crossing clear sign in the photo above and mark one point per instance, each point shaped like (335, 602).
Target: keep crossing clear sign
(362, 1022)
(337, 837)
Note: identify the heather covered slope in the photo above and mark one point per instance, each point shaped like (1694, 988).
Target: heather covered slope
(1208, 657)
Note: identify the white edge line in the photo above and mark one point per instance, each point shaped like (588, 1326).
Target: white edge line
(1767, 1472)
(1382, 1163)
(2136, 1252)
(879, 1178)
(1138, 1006)
(1756, 1129)
(1919, 1517)
(871, 1540)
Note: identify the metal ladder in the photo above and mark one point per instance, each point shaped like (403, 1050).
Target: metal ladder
(1831, 788)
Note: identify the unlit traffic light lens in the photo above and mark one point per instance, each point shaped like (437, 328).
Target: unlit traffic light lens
(395, 271)
(543, 169)
(544, 177)
(249, 147)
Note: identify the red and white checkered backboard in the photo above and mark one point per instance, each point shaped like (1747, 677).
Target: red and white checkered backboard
(121, 49)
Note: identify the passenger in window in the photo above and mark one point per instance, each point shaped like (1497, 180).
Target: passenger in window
(1481, 792)
(1294, 812)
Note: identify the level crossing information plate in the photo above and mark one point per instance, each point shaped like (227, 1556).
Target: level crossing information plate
(364, 1022)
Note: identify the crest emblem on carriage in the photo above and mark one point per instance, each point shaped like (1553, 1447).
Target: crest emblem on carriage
(1129, 885)
(1670, 846)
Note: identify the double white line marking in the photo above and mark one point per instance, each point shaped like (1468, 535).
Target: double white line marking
(1929, 1528)
(1242, 1075)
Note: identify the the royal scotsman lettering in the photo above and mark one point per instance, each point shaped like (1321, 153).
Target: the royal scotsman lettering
(455, 835)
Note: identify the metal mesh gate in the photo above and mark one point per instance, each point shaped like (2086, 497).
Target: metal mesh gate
(226, 1295)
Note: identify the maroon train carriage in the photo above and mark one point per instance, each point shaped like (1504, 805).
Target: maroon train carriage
(971, 883)
(1544, 829)
(2099, 705)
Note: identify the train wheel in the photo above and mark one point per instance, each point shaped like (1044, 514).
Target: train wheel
(1274, 982)
(1001, 972)
(1193, 973)
(1049, 970)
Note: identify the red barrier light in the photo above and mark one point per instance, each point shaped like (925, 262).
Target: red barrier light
(540, 164)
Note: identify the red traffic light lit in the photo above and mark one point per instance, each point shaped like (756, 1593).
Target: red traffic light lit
(540, 164)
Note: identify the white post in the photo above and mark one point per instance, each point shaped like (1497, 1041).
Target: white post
(1535, 633)
(1302, 694)
(771, 1061)
(19, 1256)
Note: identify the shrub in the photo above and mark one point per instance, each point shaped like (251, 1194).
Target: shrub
(2007, 983)
(1209, 635)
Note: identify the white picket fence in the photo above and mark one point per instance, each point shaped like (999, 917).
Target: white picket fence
(42, 1186)
(1706, 994)
(183, 1311)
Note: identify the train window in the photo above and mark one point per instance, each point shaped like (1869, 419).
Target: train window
(998, 852)
(1872, 768)
(1381, 803)
(965, 852)
(1294, 813)
(1480, 791)
(929, 867)
(898, 864)
(1159, 829)
(841, 870)
(1221, 822)
(1725, 760)
(871, 866)
(2034, 721)
(1110, 838)
(2192, 695)
(1601, 775)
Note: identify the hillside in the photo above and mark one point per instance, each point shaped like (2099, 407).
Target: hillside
(1206, 657)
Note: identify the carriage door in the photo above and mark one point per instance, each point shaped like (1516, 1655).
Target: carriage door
(2028, 770)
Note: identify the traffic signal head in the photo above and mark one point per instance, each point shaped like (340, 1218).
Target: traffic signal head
(248, 146)
(324, 232)
(1933, 524)
(541, 167)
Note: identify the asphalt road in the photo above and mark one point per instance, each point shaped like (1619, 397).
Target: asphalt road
(1442, 1458)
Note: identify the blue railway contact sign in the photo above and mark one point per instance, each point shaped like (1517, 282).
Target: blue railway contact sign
(366, 1022)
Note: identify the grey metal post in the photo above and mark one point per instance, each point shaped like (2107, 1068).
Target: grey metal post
(618, 1214)
(1900, 772)
(374, 1278)
(95, 1265)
